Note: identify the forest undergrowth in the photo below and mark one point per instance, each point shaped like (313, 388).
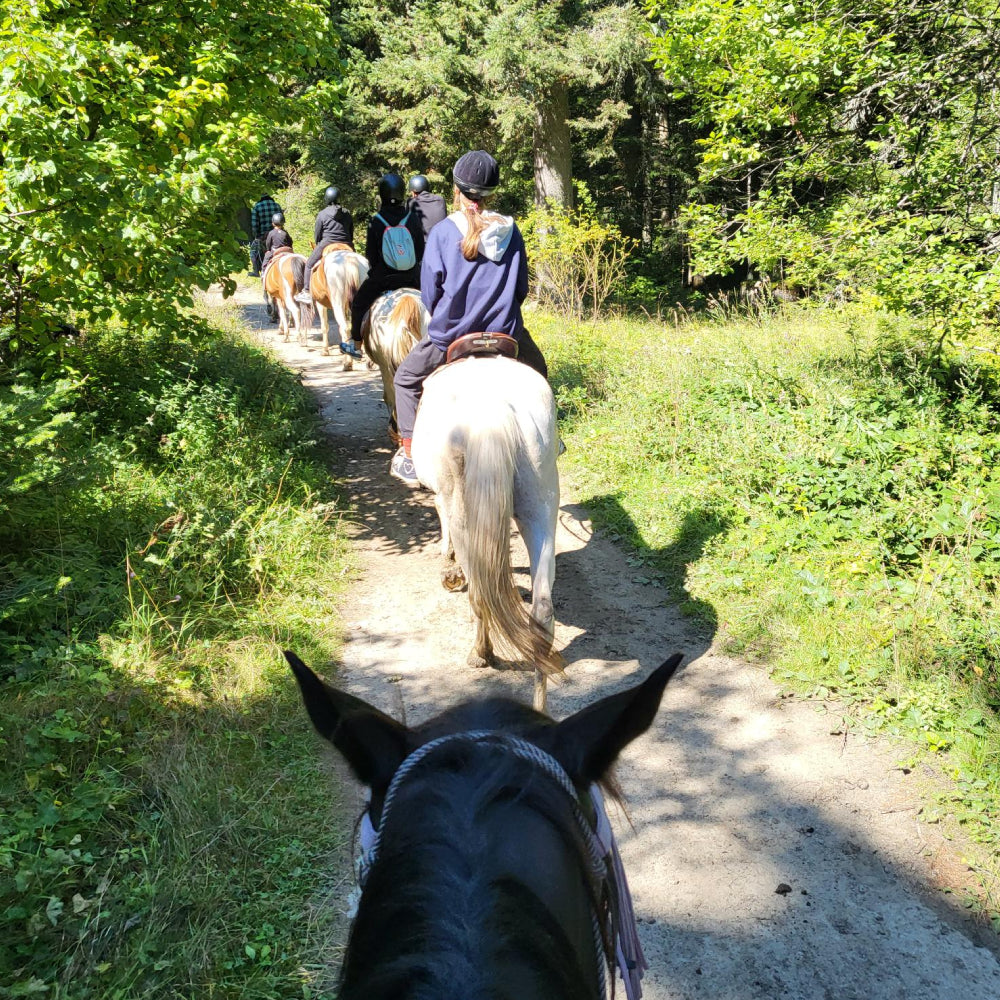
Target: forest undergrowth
(819, 489)
(166, 527)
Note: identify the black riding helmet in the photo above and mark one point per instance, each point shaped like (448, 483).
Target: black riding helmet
(418, 184)
(332, 195)
(391, 188)
(476, 174)
(278, 219)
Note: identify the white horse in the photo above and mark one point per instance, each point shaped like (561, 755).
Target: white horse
(283, 280)
(337, 279)
(395, 322)
(485, 442)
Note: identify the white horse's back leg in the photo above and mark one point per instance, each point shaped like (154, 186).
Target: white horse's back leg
(324, 327)
(538, 529)
(340, 318)
(452, 577)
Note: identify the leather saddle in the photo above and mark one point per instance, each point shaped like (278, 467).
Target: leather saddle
(482, 345)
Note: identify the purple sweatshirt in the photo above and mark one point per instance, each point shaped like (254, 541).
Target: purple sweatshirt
(472, 296)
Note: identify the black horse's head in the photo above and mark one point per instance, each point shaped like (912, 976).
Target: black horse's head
(481, 884)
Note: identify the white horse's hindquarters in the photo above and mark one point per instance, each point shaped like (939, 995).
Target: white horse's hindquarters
(479, 387)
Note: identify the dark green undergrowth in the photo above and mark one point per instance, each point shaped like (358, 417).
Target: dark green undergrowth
(822, 489)
(166, 527)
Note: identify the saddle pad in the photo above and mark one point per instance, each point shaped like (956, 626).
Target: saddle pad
(490, 344)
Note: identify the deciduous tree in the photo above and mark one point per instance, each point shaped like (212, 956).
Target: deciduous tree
(125, 128)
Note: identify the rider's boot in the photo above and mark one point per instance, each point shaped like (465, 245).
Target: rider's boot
(351, 347)
(305, 297)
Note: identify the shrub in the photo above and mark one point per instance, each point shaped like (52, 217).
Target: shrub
(577, 261)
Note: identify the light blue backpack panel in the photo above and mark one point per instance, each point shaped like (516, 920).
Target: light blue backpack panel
(397, 245)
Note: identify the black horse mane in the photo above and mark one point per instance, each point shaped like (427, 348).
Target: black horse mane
(437, 918)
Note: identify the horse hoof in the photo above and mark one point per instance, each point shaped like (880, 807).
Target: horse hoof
(348, 366)
(477, 661)
(452, 579)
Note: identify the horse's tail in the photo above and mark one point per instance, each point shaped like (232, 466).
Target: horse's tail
(405, 319)
(299, 272)
(488, 498)
(307, 314)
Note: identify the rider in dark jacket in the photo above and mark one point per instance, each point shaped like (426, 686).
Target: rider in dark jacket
(429, 207)
(334, 224)
(278, 237)
(382, 278)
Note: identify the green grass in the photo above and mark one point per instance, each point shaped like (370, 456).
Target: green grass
(166, 527)
(820, 489)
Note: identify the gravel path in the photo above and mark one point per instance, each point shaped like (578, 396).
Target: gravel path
(734, 794)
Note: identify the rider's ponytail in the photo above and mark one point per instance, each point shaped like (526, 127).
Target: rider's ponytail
(472, 211)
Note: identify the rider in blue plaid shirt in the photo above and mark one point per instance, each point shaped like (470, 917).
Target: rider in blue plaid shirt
(260, 226)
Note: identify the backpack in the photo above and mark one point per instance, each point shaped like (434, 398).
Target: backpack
(397, 245)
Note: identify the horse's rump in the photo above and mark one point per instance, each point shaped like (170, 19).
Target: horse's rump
(485, 442)
(395, 322)
(290, 267)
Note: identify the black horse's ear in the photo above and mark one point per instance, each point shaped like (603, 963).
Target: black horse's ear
(588, 743)
(372, 743)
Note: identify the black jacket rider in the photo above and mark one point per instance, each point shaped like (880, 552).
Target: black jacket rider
(334, 225)
(430, 208)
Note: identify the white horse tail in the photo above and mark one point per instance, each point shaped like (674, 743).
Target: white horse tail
(491, 452)
(405, 318)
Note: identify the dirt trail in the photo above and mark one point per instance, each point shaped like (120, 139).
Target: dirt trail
(733, 792)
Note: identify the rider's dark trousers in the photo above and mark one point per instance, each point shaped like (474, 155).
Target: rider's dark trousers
(374, 286)
(256, 252)
(424, 358)
(313, 261)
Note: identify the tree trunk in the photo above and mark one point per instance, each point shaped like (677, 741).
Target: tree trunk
(553, 152)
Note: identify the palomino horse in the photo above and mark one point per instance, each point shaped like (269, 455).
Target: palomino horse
(393, 326)
(488, 866)
(283, 280)
(485, 442)
(336, 278)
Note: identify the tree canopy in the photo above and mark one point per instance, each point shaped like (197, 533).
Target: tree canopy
(429, 79)
(846, 146)
(824, 146)
(125, 132)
